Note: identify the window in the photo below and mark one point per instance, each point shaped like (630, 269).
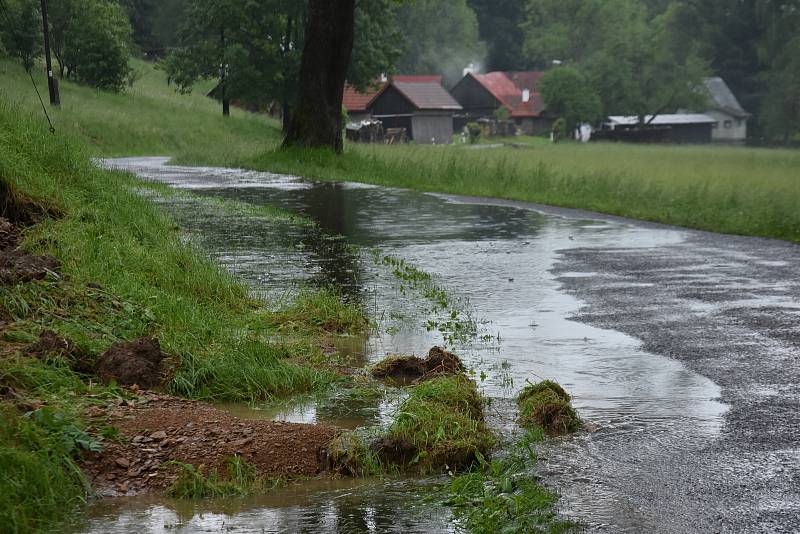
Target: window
(728, 124)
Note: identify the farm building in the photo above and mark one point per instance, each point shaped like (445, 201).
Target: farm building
(356, 103)
(481, 95)
(670, 128)
(730, 118)
(421, 106)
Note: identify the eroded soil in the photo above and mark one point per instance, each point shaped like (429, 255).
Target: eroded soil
(157, 429)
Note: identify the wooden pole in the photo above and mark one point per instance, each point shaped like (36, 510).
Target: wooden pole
(52, 84)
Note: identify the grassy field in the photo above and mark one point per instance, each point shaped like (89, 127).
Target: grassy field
(725, 189)
(149, 119)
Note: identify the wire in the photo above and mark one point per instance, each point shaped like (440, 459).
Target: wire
(52, 129)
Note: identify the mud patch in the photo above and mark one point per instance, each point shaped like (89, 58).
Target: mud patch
(396, 451)
(439, 362)
(51, 344)
(20, 266)
(132, 363)
(19, 209)
(8, 234)
(157, 429)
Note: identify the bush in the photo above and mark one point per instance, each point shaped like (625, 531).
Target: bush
(474, 132)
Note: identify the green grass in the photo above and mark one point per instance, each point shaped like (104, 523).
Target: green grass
(723, 189)
(240, 478)
(222, 344)
(443, 419)
(545, 405)
(505, 497)
(748, 191)
(150, 118)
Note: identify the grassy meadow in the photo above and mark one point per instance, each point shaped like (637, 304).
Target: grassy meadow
(747, 191)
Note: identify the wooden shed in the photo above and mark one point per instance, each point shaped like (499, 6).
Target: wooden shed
(481, 95)
(423, 108)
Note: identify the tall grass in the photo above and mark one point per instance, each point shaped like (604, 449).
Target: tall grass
(723, 189)
(150, 118)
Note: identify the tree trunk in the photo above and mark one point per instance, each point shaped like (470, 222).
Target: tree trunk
(316, 119)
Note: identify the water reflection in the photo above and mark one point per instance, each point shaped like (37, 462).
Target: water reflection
(499, 258)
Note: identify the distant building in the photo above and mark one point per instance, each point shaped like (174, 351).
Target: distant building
(482, 95)
(730, 118)
(421, 106)
(669, 128)
(356, 103)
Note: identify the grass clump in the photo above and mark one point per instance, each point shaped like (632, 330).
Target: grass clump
(240, 478)
(442, 422)
(547, 405)
(40, 483)
(323, 311)
(504, 496)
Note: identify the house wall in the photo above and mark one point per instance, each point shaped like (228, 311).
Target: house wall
(735, 132)
(391, 102)
(429, 128)
(690, 133)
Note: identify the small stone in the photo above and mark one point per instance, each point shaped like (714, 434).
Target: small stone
(122, 487)
(158, 436)
(189, 425)
(123, 462)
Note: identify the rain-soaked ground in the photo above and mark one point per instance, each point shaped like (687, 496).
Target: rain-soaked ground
(680, 348)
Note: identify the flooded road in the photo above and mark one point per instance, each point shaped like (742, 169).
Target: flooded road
(634, 320)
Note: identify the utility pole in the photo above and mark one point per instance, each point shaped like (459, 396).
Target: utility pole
(52, 84)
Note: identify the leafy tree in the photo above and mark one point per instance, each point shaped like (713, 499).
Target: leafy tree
(91, 42)
(628, 58)
(441, 37)
(782, 103)
(568, 94)
(21, 31)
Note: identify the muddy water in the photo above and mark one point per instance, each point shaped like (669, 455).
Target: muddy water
(498, 260)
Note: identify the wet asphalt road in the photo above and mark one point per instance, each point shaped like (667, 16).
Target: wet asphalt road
(729, 308)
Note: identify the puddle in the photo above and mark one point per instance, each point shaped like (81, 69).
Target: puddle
(497, 258)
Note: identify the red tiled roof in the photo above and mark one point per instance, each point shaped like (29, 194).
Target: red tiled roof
(427, 96)
(509, 87)
(357, 101)
(423, 78)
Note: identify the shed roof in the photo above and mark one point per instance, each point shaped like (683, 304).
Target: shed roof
(662, 120)
(509, 88)
(355, 101)
(723, 99)
(426, 96)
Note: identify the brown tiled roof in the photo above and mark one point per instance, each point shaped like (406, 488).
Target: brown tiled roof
(508, 89)
(358, 101)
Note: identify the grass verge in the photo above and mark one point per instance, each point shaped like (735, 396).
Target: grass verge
(124, 273)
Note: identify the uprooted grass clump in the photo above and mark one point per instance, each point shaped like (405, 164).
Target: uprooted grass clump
(240, 478)
(442, 424)
(547, 405)
(439, 362)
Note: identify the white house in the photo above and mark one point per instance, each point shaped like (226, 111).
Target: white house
(731, 119)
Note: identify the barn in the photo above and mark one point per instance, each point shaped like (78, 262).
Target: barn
(481, 95)
(693, 128)
(420, 105)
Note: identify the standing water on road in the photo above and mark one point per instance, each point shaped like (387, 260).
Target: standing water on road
(640, 408)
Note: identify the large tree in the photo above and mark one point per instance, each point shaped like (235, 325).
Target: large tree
(317, 113)
(20, 33)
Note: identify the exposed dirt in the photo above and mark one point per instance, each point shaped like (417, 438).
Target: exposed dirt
(51, 344)
(439, 362)
(395, 451)
(160, 428)
(20, 209)
(132, 363)
(17, 265)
